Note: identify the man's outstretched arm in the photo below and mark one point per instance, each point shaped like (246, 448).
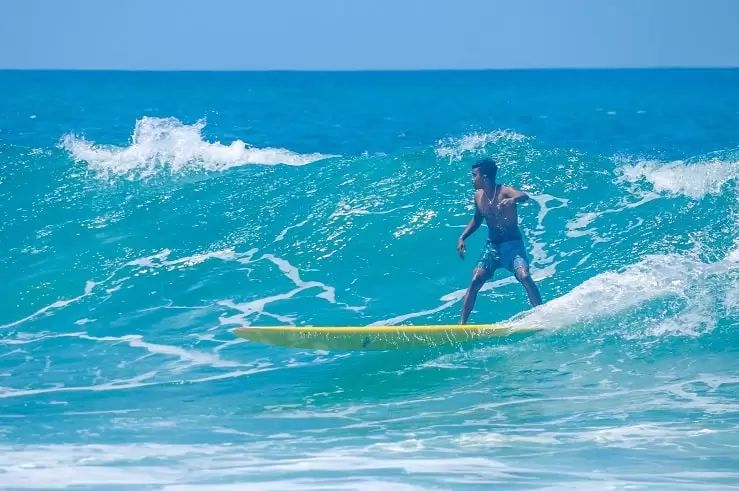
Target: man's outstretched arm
(517, 195)
(512, 196)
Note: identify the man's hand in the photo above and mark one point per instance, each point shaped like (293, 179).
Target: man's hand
(460, 247)
(506, 202)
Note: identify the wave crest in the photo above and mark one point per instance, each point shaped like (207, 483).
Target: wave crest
(681, 178)
(475, 143)
(167, 143)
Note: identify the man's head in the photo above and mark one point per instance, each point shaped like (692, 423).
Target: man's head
(484, 170)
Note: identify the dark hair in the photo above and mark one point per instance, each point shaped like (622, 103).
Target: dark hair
(488, 168)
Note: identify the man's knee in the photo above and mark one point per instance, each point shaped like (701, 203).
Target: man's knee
(523, 275)
(479, 277)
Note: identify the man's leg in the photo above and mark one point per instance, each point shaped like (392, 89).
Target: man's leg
(516, 260)
(479, 277)
(523, 276)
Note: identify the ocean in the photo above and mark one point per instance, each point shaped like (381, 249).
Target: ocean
(143, 215)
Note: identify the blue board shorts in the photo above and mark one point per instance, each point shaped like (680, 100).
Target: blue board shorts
(510, 255)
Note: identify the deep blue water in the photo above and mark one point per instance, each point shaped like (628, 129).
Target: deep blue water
(144, 215)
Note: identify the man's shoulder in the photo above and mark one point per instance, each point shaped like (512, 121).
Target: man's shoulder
(476, 198)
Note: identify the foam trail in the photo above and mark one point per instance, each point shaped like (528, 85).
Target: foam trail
(161, 257)
(329, 293)
(159, 143)
(544, 209)
(148, 261)
(59, 304)
(137, 341)
(195, 357)
(257, 306)
(138, 381)
(583, 220)
(284, 231)
(134, 382)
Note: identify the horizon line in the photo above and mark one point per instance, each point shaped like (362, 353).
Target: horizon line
(375, 70)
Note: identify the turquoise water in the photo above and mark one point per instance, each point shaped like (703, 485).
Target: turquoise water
(144, 215)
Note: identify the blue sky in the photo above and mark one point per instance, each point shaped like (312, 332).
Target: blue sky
(366, 35)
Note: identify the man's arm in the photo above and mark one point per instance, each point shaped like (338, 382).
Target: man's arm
(512, 196)
(470, 229)
(474, 224)
(517, 195)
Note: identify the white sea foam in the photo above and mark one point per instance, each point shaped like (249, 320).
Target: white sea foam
(657, 276)
(159, 260)
(474, 143)
(257, 307)
(59, 304)
(628, 436)
(544, 208)
(146, 264)
(694, 180)
(577, 226)
(285, 230)
(159, 143)
(264, 466)
(189, 357)
(253, 307)
(612, 292)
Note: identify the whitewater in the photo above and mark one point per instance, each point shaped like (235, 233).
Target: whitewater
(145, 215)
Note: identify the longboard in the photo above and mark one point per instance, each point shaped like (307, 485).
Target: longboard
(375, 338)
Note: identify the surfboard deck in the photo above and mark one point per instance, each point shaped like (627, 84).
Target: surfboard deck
(375, 338)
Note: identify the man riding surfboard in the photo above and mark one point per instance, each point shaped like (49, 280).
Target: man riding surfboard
(497, 204)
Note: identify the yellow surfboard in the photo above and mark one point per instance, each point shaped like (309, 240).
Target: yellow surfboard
(375, 338)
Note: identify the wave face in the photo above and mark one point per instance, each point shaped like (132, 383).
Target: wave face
(135, 236)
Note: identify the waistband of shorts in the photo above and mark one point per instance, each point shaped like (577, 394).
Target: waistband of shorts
(505, 242)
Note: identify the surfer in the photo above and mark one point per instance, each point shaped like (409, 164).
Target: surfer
(497, 204)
